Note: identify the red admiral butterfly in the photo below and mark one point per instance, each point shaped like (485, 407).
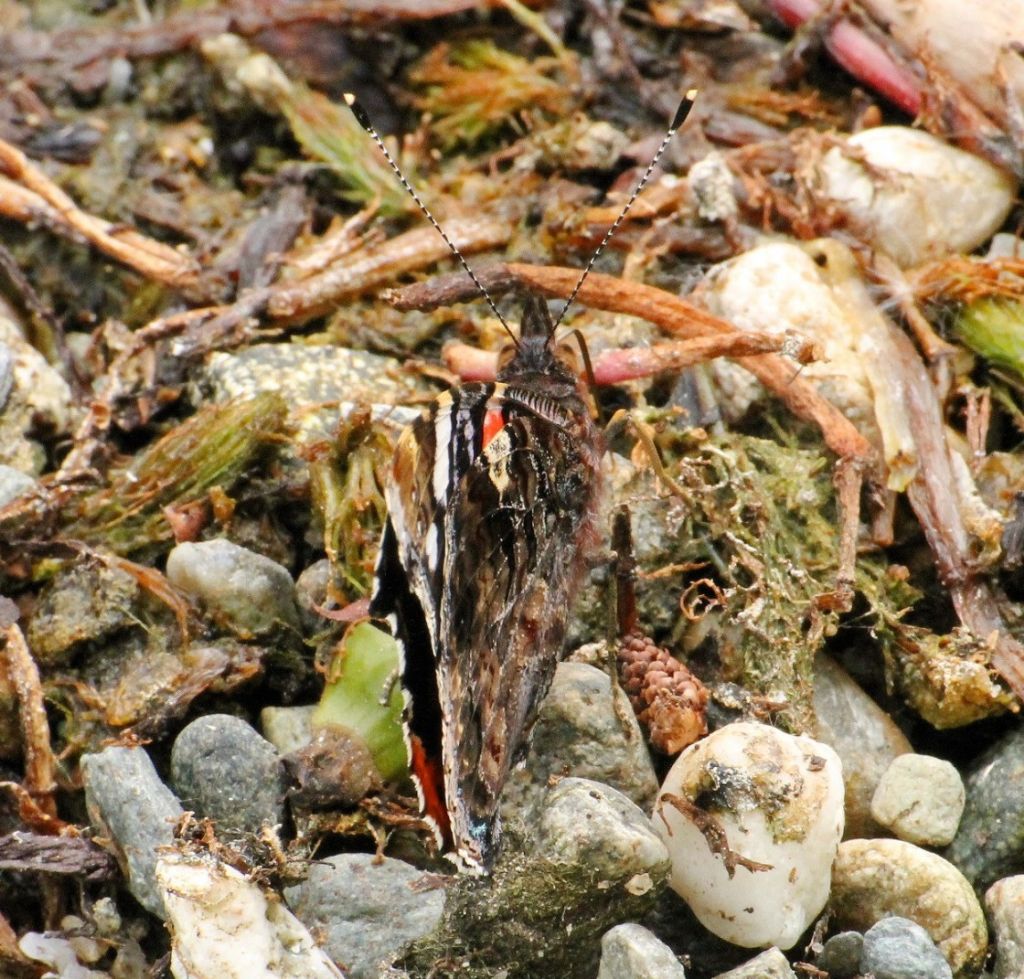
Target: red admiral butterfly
(492, 510)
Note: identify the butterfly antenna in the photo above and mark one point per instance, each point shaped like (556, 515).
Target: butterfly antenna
(364, 120)
(682, 111)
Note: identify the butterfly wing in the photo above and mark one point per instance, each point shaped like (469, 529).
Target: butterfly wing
(494, 492)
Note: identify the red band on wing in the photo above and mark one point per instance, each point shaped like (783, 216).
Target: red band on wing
(430, 774)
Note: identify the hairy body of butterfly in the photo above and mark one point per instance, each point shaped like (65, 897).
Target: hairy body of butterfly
(491, 511)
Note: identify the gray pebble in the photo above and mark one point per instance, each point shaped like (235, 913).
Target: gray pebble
(862, 734)
(630, 951)
(128, 803)
(989, 844)
(13, 483)
(223, 770)
(1004, 901)
(840, 957)
(592, 824)
(367, 909)
(898, 948)
(288, 728)
(768, 965)
(584, 732)
(921, 799)
(251, 593)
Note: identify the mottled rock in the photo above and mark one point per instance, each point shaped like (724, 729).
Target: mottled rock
(13, 482)
(752, 817)
(223, 926)
(591, 862)
(583, 730)
(840, 956)
(862, 734)
(249, 592)
(898, 948)
(630, 951)
(1004, 901)
(84, 604)
(223, 770)
(128, 803)
(367, 909)
(875, 878)
(768, 965)
(591, 823)
(920, 799)
(288, 728)
(989, 843)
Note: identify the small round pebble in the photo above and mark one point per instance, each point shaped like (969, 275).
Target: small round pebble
(1004, 901)
(921, 799)
(288, 728)
(222, 769)
(875, 878)
(840, 957)
(898, 948)
(128, 803)
(768, 965)
(630, 951)
(249, 592)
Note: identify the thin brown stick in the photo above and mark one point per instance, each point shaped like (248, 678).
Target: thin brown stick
(27, 194)
(23, 674)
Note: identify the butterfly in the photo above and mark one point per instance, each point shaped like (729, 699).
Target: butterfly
(493, 507)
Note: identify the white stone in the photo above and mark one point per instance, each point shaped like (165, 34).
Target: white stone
(916, 197)
(764, 798)
(921, 799)
(224, 927)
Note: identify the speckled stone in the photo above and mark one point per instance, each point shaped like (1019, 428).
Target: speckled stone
(921, 799)
(366, 908)
(875, 878)
(862, 734)
(989, 844)
(898, 948)
(222, 769)
(1004, 901)
(313, 375)
(768, 965)
(582, 732)
(630, 951)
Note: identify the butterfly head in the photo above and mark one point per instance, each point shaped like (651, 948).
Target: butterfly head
(536, 359)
